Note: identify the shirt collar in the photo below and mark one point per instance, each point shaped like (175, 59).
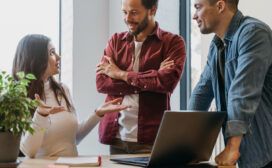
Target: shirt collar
(232, 28)
(156, 33)
(234, 25)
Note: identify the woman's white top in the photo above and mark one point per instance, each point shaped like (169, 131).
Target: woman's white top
(57, 134)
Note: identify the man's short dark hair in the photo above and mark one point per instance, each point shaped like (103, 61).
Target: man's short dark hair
(233, 3)
(148, 4)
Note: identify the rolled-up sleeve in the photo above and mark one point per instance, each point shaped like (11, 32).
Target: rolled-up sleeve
(254, 60)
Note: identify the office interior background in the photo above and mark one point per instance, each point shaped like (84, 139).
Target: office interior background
(80, 30)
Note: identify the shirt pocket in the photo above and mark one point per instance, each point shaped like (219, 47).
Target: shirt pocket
(231, 66)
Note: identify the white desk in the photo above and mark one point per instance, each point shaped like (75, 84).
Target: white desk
(106, 163)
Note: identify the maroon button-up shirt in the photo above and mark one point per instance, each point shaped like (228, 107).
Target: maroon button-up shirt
(154, 86)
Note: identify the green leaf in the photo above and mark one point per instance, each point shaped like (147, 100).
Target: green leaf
(31, 76)
(20, 75)
(24, 82)
(9, 78)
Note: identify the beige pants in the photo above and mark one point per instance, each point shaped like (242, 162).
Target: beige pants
(122, 147)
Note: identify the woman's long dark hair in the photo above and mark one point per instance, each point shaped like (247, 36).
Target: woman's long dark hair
(32, 57)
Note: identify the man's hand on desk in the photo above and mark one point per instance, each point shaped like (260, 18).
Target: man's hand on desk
(230, 155)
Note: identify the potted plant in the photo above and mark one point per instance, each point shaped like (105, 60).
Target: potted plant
(15, 113)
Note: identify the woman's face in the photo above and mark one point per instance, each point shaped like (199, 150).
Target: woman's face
(53, 62)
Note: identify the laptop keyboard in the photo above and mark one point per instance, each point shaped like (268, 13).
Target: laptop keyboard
(133, 160)
(141, 159)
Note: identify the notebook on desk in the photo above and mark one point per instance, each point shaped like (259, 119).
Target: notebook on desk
(82, 161)
(183, 137)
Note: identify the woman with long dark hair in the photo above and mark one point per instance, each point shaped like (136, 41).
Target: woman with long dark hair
(57, 130)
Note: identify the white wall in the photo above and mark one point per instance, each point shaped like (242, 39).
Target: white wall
(90, 34)
(260, 9)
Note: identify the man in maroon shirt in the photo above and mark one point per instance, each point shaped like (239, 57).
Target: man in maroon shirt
(143, 66)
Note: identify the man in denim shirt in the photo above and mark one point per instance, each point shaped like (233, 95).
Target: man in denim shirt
(244, 87)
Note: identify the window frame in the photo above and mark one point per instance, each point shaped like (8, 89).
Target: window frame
(185, 32)
(60, 33)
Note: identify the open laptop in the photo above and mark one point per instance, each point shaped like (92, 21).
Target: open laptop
(183, 137)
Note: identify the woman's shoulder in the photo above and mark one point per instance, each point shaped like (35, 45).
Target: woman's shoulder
(65, 87)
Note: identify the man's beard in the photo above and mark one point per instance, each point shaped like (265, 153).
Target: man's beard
(141, 26)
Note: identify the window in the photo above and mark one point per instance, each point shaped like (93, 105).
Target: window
(185, 29)
(197, 58)
(19, 18)
(197, 53)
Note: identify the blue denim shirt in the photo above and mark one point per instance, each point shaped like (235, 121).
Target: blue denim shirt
(248, 88)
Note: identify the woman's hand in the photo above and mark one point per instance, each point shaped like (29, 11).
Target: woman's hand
(45, 110)
(110, 107)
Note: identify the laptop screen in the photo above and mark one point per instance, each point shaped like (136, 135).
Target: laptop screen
(185, 137)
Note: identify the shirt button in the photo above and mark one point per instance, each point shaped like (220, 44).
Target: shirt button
(135, 92)
(132, 83)
(145, 86)
(115, 120)
(121, 93)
